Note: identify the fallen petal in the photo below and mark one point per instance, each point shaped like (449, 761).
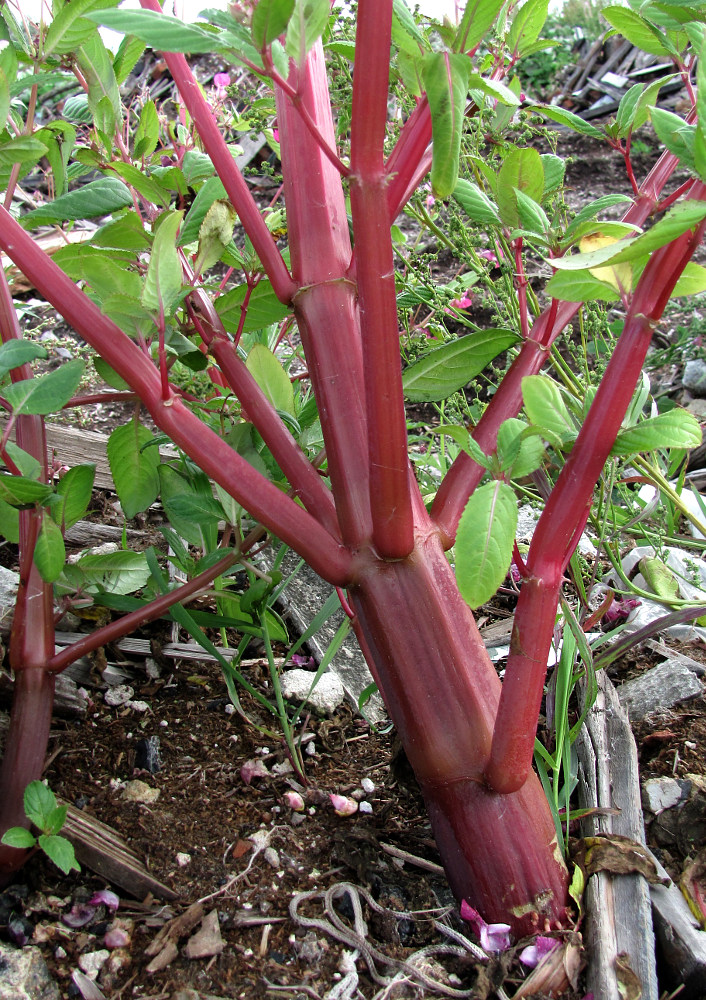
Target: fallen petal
(253, 769)
(535, 952)
(79, 915)
(343, 806)
(106, 897)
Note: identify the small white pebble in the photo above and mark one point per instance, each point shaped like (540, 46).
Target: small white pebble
(310, 749)
(271, 857)
(368, 786)
(365, 807)
(164, 723)
(690, 745)
(182, 859)
(229, 709)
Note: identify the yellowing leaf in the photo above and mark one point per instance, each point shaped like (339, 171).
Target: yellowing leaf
(620, 275)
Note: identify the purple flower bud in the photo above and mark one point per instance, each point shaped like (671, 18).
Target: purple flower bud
(533, 954)
(79, 915)
(493, 937)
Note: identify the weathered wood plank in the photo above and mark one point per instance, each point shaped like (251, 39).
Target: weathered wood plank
(619, 920)
(75, 446)
(102, 849)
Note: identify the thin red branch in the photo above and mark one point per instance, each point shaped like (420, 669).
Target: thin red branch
(233, 181)
(279, 513)
(391, 507)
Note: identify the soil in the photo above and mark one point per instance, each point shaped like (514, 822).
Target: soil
(209, 835)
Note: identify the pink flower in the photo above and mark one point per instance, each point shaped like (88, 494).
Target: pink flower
(493, 937)
(489, 255)
(463, 303)
(533, 954)
(220, 82)
(275, 134)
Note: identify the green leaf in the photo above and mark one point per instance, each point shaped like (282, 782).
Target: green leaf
(162, 33)
(59, 138)
(9, 522)
(23, 149)
(627, 109)
(676, 134)
(49, 552)
(270, 19)
(494, 89)
(112, 572)
(147, 133)
(590, 211)
(69, 28)
(60, 851)
(20, 492)
(198, 508)
(637, 30)
(45, 393)
(39, 802)
(546, 409)
(150, 189)
(164, 281)
(526, 26)
(580, 286)
(484, 542)
(74, 490)
(659, 578)
(568, 118)
(126, 58)
(307, 23)
(475, 203)
(446, 82)
(17, 836)
(405, 33)
(522, 170)
(8, 73)
(108, 375)
(532, 216)
(675, 429)
(208, 193)
(518, 453)
(446, 369)
(55, 820)
(96, 63)
(692, 280)
(264, 308)
(134, 467)
(99, 197)
(14, 353)
(172, 486)
(554, 168)
(269, 374)
(478, 17)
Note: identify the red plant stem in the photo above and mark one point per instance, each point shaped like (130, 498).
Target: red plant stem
(410, 159)
(233, 181)
(278, 512)
(441, 689)
(129, 623)
(465, 474)
(300, 473)
(565, 512)
(32, 635)
(375, 273)
(325, 305)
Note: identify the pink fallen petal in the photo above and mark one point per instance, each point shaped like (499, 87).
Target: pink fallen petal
(106, 897)
(252, 769)
(116, 938)
(79, 915)
(343, 806)
(294, 801)
(532, 955)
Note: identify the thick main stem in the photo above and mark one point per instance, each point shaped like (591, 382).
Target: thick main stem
(500, 852)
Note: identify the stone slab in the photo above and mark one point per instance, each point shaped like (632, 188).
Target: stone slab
(658, 689)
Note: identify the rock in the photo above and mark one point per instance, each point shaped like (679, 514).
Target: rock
(658, 689)
(139, 791)
(9, 582)
(326, 696)
(207, 940)
(24, 975)
(659, 794)
(91, 962)
(183, 859)
(119, 695)
(302, 599)
(694, 378)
